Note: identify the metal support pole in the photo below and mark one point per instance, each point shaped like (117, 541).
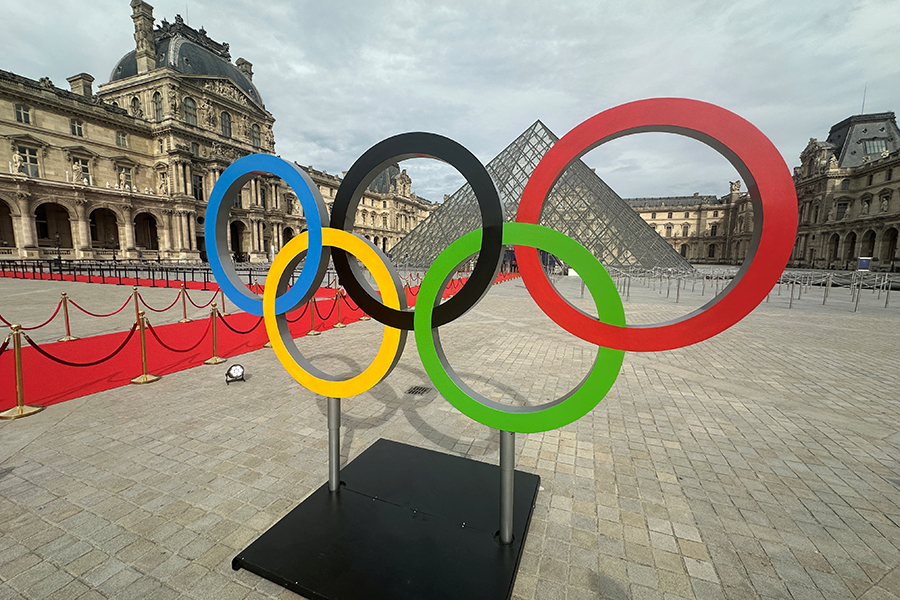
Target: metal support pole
(677, 290)
(65, 302)
(507, 468)
(215, 359)
(20, 409)
(827, 289)
(224, 312)
(137, 309)
(793, 282)
(144, 377)
(858, 294)
(334, 444)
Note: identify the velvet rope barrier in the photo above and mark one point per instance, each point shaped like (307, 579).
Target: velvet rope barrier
(350, 305)
(53, 316)
(144, 302)
(188, 296)
(303, 312)
(331, 312)
(4, 346)
(170, 348)
(115, 312)
(221, 318)
(66, 363)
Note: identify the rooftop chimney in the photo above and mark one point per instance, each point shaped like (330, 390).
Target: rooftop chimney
(81, 84)
(142, 15)
(245, 67)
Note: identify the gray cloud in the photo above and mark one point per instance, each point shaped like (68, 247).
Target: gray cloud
(340, 76)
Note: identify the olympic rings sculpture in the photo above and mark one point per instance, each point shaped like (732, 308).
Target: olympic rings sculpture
(752, 154)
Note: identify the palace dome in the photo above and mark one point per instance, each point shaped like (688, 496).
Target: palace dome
(189, 52)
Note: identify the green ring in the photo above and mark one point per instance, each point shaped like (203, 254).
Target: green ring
(522, 419)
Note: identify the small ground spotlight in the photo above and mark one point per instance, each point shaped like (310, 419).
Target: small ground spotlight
(234, 373)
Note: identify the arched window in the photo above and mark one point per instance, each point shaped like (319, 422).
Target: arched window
(226, 124)
(687, 215)
(136, 107)
(254, 136)
(156, 102)
(652, 215)
(190, 111)
(845, 184)
(668, 231)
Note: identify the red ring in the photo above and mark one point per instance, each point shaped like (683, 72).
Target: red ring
(750, 152)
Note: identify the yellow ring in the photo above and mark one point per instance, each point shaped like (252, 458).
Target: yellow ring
(277, 326)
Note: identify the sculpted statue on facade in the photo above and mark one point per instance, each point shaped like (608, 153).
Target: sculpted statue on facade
(735, 186)
(18, 165)
(865, 208)
(884, 205)
(163, 186)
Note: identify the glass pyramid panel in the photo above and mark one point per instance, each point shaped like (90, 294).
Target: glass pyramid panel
(580, 205)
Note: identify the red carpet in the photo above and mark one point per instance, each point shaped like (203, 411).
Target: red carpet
(46, 382)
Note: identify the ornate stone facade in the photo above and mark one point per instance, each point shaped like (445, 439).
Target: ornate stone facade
(848, 190)
(126, 172)
(703, 229)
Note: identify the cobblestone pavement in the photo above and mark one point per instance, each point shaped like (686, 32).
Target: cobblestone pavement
(763, 463)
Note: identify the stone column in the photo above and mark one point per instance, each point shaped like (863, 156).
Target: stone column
(83, 228)
(129, 229)
(188, 180)
(185, 232)
(192, 230)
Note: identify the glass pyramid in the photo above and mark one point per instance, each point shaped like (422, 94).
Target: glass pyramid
(581, 206)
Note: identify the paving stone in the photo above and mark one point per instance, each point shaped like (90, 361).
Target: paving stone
(753, 465)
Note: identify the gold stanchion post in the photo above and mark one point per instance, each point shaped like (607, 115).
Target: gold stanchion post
(312, 317)
(224, 312)
(215, 359)
(137, 309)
(337, 298)
(65, 302)
(144, 377)
(183, 293)
(20, 409)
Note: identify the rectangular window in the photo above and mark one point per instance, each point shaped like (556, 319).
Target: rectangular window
(715, 213)
(195, 148)
(77, 127)
(889, 175)
(687, 215)
(29, 165)
(714, 230)
(125, 177)
(876, 146)
(841, 210)
(197, 186)
(869, 179)
(121, 139)
(262, 196)
(80, 170)
(670, 216)
(23, 114)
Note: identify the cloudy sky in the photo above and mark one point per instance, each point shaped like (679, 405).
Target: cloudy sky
(341, 76)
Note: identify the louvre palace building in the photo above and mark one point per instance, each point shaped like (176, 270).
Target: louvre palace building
(125, 171)
(848, 193)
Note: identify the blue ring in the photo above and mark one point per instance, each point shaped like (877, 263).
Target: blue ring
(216, 230)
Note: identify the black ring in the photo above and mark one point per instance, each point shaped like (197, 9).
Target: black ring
(365, 169)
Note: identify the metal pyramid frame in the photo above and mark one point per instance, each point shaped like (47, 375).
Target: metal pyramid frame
(581, 206)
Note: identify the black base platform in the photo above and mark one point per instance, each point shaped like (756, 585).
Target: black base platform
(408, 523)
